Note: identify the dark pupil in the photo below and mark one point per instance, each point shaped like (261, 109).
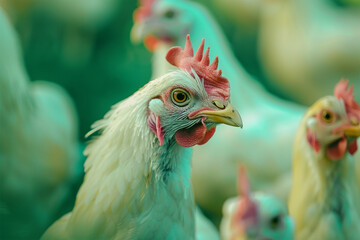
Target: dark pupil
(275, 221)
(169, 14)
(180, 97)
(327, 116)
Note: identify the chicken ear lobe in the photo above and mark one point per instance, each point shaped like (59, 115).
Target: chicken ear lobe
(154, 123)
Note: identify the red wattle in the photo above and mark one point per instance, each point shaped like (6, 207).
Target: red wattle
(337, 150)
(191, 136)
(198, 134)
(353, 147)
(207, 136)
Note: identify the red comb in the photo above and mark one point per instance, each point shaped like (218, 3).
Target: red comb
(243, 183)
(347, 95)
(247, 212)
(144, 10)
(214, 83)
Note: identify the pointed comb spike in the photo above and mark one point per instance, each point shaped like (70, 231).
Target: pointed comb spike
(199, 52)
(342, 91)
(205, 60)
(214, 64)
(246, 214)
(351, 89)
(215, 85)
(243, 184)
(188, 49)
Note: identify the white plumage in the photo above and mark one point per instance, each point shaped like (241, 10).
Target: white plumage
(270, 123)
(137, 184)
(38, 150)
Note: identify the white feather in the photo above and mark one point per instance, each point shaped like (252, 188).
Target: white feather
(122, 196)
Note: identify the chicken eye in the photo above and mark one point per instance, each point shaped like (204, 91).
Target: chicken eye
(170, 13)
(327, 116)
(180, 97)
(275, 221)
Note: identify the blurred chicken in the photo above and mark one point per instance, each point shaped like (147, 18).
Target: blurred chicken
(86, 14)
(137, 182)
(322, 37)
(325, 196)
(204, 228)
(239, 20)
(68, 28)
(270, 122)
(38, 151)
(16, 9)
(244, 13)
(255, 216)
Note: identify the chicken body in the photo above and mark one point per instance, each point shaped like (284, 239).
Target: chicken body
(270, 122)
(38, 149)
(325, 194)
(323, 38)
(204, 228)
(137, 182)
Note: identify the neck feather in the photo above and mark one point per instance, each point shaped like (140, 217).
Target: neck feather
(126, 166)
(325, 175)
(127, 153)
(15, 97)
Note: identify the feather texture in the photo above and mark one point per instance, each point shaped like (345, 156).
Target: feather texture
(270, 122)
(127, 193)
(325, 194)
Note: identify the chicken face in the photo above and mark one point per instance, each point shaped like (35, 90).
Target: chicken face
(188, 114)
(255, 216)
(197, 98)
(333, 124)
(159, 21)
(269, 221)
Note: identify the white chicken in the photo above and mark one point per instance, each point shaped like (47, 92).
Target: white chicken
(255, 216)
(39, 156)
(323, 38)
(204, 228)
(325, 195)
(137, 181)
(271, 123)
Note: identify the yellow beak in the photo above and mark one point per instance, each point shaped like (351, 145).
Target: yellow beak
(228, 115)
(353, 131)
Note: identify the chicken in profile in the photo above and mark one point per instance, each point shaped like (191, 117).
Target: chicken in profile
(271, 122)
(255, 216)
(137, 181)
(324, 199)
(39, 156)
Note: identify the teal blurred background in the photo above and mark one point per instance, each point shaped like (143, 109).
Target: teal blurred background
(90, 54)
(91, 57)
(85, 47)
(298, 49)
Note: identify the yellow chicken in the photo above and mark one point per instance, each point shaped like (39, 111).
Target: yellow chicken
(325, 196)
